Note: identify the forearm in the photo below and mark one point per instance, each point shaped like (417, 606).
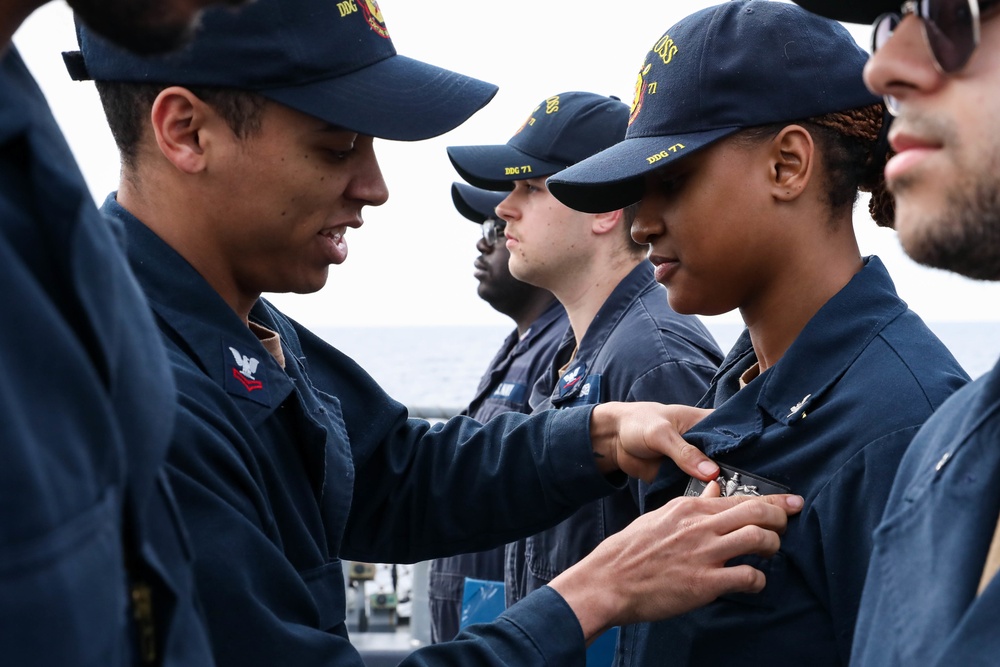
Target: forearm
(429, 492)
(589, 590)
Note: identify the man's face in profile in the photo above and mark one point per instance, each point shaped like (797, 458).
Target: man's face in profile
(944, 174)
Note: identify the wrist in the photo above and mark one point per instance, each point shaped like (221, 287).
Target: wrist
(604, 435)
(594, 602)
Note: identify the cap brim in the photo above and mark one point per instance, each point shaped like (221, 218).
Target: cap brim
(615, 177)
(397, 98)
(496, 167)
(852, 11)
(475, 204)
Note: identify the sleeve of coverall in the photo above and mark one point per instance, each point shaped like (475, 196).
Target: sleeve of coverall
(433, 489)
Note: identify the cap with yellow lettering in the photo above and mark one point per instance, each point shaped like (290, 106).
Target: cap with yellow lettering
(732, 66)
(559, 132)
(332, 60)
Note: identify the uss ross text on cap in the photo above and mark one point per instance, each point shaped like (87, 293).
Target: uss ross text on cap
(732, 66)
(559, 132)
(332, 60)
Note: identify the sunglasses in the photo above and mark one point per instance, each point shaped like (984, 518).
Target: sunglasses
(493, 230)
(951, 28)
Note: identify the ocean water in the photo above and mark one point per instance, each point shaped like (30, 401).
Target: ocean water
(437, 368)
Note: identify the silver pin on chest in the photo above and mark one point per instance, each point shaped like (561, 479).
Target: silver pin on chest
(798, 406)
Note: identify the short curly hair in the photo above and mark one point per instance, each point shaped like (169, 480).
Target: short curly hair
(127, 107)
(854, 150)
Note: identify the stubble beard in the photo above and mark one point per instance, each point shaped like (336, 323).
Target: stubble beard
(965, 236)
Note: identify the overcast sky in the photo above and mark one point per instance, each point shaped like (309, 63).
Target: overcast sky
(411, 263)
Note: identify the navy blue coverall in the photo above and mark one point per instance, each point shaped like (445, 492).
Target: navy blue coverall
(919, 605)
(830, 421)
(88, 410)
(636, 349)
(281, 472)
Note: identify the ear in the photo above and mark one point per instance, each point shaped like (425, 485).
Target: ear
(602, 223)
(793, 156)
(181, 122)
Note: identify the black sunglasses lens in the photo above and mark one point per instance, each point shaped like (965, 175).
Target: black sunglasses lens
(493, 231)
(882, 30)
(950, 28)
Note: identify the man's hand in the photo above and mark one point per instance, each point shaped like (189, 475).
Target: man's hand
(673, 560)
(635, 437)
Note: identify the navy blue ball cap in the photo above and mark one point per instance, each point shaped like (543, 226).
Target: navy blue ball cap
(559, 132)
(732, 66)
(476, 204)
(851, 11)
(332, 60)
